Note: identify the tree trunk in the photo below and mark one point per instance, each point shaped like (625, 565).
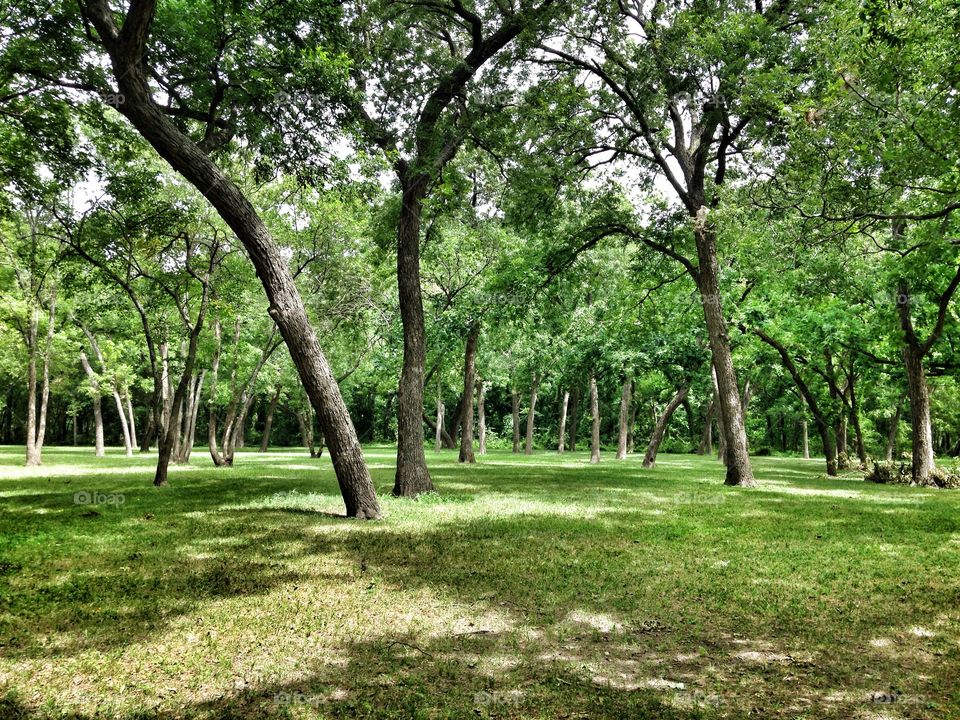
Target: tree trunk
(721, 433)
(661, 426)
(894, 430)
(131, 419)
(481, 418)
(412, 476)
(469, 384)
(97, 410)
(706, 438)
(624, 419)
(806, 440)
(126, 50)
(438, 445)
(823, 425)
(631, 428)
(531, 416)
(515, 398)
(268, 421)
(855, 419)
(563, 421)
(305, 421)
(739, 470)
(574, 417)
(595, 417)
(921, 430)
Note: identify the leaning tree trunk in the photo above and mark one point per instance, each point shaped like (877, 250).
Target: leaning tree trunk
(739, 470)
(563, 421)
(413, 477)
(650, 458)
(515, 399)
(531, 416)
(823, 425)
(469, 383)
(97, 409)
(595, 417)
(124, 426)
(131, 419)
(624, 419)
(481, 419)
(268, 421)
(126, 51)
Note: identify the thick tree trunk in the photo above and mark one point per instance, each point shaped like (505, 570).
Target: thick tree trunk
(531, 416)
(624, 419)
(515, 399)
(126, 51)
(595, 418)
(563, 421)
(574, 417)
(469, 383)
(739, 470)
(412, 476)
(921, 430)
(650, 458)
(97, 410)
(481, 418)
(268, 421)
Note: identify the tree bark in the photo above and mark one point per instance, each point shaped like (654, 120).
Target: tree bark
(131, 418)
(412, 477)
(821, 421)
(531, 416)
(650, 458)
(469, 387)
(595, 417)
(36, 425)
(894, 431)
(97, 411)
(624, 419)
(126, 51)
(739, 470)
(438, 444)
(574, 417)
(481, 419)
(920, 427)
(515, 399)
(806, 439)
(268, 421)
(721, 433)
(563, 421)
(706, 438)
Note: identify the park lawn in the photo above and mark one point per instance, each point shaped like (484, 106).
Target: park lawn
(528, 587)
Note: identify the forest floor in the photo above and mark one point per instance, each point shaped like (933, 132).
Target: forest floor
(529, 587)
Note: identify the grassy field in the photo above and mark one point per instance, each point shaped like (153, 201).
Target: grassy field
(529, 587)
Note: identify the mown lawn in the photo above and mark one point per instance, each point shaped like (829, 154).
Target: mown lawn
(529, 587)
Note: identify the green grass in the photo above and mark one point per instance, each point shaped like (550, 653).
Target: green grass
(529, 587)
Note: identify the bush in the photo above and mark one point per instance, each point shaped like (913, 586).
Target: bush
(894, 473)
